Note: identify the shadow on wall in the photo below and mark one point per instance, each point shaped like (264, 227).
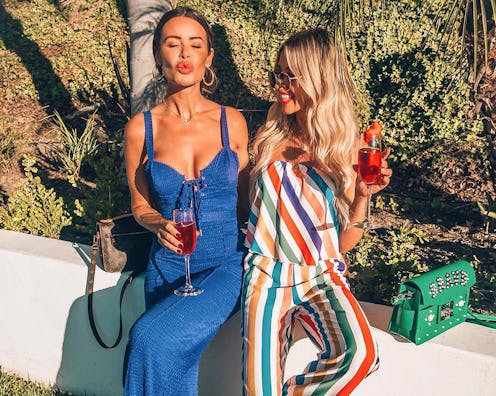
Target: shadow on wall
(87, 368)
(48, 85)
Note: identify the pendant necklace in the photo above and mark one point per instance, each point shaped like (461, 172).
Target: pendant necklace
(302, 151)
(184, 121)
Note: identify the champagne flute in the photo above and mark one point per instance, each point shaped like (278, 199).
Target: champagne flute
(369, 167)
(184, 221)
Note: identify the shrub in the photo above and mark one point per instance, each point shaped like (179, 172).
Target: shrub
(108, 197)
(418, 92)
(75, 147)
(33, 208)
(379, 263)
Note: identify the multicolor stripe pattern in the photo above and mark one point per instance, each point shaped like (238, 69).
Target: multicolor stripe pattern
(292, 217)
(294, 274)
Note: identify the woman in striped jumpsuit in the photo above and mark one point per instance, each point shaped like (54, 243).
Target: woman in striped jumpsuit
(305, 196)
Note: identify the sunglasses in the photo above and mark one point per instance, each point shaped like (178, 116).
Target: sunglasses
(281, 79)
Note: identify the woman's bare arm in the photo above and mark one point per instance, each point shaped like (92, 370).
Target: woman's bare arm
(357, 194)
(141, 200)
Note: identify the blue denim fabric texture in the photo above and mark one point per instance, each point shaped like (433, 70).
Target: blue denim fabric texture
(166, 342)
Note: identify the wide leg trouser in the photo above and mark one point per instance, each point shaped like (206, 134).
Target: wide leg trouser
(166, 342)
(275, 296)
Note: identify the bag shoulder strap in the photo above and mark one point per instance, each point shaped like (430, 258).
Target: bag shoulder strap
(482, 319)
(89, 291)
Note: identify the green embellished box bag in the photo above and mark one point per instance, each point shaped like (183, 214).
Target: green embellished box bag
(429, 304)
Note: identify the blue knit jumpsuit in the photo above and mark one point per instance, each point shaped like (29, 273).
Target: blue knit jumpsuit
(166, 342)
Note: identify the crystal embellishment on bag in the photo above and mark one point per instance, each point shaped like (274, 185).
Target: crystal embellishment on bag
(453, 278)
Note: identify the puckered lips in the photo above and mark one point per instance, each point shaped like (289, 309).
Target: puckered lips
(184, 67)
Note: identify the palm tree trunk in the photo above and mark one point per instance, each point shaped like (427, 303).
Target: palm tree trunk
(143, 16)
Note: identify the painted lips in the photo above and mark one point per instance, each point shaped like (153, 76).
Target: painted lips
(284, 97)
(184, 67)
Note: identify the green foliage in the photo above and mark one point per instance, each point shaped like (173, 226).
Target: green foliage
(109, 197)
(33, 208)
(75, 148)
(378, 264)
(486, 17)
(422, 99)
(63, 55)
(380, 202)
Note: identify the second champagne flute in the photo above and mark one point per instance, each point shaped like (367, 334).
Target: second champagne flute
(369, 167)
(184, 222)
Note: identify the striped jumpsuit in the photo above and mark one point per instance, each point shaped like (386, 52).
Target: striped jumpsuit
(295, 273)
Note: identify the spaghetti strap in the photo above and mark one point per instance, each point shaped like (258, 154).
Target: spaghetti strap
(148, 134)
(223, 126)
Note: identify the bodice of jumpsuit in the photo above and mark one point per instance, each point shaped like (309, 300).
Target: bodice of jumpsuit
(213, 196)
(293, 219)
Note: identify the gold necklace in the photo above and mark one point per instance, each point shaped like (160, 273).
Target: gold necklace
(184, 121)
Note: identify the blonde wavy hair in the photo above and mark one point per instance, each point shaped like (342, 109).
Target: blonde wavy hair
(332, 124)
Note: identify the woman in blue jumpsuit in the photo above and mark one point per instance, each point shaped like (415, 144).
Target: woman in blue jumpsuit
(185, 152)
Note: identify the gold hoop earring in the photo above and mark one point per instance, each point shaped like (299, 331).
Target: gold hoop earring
(212, 76)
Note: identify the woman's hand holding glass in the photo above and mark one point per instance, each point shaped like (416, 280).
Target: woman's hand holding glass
(179, 236)
(184, 221)
(373, 171)
(382, 180)
(168, 236)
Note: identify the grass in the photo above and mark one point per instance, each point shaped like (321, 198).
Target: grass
(11, 385)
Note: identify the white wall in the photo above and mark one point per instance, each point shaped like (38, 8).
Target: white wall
(45, 334)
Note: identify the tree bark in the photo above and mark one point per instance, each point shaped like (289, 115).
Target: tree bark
(143, 16)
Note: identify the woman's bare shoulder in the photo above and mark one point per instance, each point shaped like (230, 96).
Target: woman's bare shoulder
(236, 121)
(136, 124)
(234, 114)
(135, 121)
(135, 127)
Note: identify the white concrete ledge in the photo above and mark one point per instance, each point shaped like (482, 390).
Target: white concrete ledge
(45, 334)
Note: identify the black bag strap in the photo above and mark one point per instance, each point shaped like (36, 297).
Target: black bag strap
(89, 291)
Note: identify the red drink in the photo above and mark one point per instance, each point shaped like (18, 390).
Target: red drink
(188, 236)
(369, 164)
